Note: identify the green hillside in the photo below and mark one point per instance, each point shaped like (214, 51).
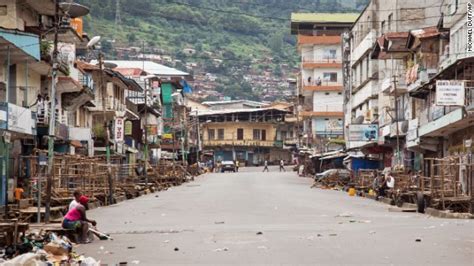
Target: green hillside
(237, 31)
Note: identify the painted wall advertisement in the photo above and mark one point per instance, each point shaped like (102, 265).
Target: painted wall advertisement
(363, 132)
(450, 92)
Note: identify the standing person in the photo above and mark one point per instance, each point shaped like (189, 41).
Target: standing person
(19, 192)
(282, 164)
(76, 219)
(237, 165)
(265, 164)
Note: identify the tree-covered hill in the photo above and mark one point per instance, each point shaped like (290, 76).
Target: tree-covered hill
(237, 31)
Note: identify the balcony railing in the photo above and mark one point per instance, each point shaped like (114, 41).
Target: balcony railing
(234, 142)
(329, 59)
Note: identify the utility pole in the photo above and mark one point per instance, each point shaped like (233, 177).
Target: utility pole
(106, 128)
(145, 159)
(198, 138)
(396, 118)
(52, 118)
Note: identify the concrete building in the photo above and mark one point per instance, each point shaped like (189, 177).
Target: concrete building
(248, 135)
(375, 98)
(320, 80)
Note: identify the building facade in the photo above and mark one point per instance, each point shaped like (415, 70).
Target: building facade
(320, 82)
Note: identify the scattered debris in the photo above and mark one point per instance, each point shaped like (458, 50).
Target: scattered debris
(220, 222)
(372, 232)
(259, 233)
(166, 241)
(176, 249)
(418, 240)
(332, 234)
(344, 214)
(135, 262)
(319, 235)
(221, 249)
(262, 247)
(131, 247)
(156, 196)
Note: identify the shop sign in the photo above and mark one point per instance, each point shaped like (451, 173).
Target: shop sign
(450, 92)
(119, 127)
(167, 136)
(363, 132)
(128, 128)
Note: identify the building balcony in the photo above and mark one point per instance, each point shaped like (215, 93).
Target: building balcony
(368, 91)
(418, 79)
(239, 143)
(388, 87)
(17, 119)
(323, 62)
(365, 45)
(324, 86)
(111, 105)
(314, 40)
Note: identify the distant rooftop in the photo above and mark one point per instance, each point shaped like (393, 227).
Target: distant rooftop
(306, 19)
(246, 102)
(324, 17)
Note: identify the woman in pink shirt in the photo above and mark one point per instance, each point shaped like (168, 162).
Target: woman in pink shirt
(76, 219)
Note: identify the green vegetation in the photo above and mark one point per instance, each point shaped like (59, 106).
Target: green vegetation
(235, 31)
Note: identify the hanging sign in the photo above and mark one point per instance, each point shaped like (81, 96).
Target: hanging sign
(128, 128)
(450, 92)
(119, 127)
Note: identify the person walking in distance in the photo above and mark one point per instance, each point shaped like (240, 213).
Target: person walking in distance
(265, 164)
(282, 164)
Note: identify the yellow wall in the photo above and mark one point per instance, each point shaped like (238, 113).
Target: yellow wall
(230, 130)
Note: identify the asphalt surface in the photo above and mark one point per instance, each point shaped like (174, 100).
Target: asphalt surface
(272, 218)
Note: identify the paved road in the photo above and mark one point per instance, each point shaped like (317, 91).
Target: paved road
(215, 220)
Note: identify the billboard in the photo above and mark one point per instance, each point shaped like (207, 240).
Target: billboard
(363, 132)
(450, 92)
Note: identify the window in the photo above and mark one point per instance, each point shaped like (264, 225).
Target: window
(367, 63)
(220, 133)
(331, 54)
(3, 10)
(283, 135)
(240, 133)
(332, 77)
(256, 134)
(389, 26)
(211, 134)
(264, 134)
(382, 26)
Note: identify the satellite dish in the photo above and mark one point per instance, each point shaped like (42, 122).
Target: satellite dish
(359, 119)
(93, 41)
(74, 10)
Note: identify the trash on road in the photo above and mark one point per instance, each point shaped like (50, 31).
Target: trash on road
(344, 214)
(219, 222)
(176, 249)
(259, 233)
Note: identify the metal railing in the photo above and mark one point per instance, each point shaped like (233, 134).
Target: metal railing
(327, 59)
(234, 142)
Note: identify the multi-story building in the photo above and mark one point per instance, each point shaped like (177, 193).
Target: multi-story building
(376, 102)
(247, 135)
(320, 81)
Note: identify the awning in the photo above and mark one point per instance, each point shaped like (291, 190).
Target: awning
(20, 45)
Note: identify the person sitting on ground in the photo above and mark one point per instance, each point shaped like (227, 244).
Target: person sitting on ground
(390, 181)
(76, 219)
(380, 186)
(77, 195)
